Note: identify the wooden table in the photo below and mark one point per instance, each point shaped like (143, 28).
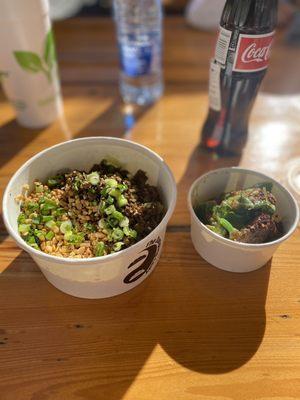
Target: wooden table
(190, 331)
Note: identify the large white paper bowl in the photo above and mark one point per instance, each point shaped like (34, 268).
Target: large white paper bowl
(100, 276)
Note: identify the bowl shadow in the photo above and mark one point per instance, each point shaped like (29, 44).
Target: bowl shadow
(219, 317)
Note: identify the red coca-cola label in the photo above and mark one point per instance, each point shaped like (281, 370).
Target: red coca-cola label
(253, 52)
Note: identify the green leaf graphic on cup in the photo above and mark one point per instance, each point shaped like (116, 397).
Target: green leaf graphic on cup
(49, 51)
(34, 63)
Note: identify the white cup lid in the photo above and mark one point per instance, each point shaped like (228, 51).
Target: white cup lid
(23, 9)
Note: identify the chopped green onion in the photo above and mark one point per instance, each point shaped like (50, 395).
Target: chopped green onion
(40, 234)
(21, 218)
(100, 249)
(30, 240)
(68, 235)
(38, 187)
(36, 220)
(93, 178)
(110, 182)
(65, 226)
(110, 200)
(50, 235)
(48, 206)
(102, 206)
(124, 222)
(122, 201)
(46, 218)
(34, 246)
(88, 226)
(117, 246)
(115, 193)
(59, 211)
(109, 210)
(122, 187)
(117, 234)
(104, 191)
(75, 238)
(130, 232)
(24, 228)
(50, 224)
(118, 215)
(32, 206)
(102, 223)
(112, 222)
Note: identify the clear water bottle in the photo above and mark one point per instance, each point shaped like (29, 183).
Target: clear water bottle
(139, 32)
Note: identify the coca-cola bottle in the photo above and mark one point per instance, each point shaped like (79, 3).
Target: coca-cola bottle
(236, 72)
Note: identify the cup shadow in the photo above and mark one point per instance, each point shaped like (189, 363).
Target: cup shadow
(13, 138)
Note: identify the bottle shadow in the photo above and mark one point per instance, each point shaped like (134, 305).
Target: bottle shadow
(116, 121)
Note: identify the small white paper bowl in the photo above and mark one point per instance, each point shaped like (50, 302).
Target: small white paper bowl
(224, 253)
(109, 275)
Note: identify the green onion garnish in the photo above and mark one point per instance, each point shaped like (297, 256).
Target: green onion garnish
(100, 249)
(110, 182)
(117, 234)
(50, 235)
(122, 201)
(24, 228)
(65, 226)
(117, 246)
(93, 178)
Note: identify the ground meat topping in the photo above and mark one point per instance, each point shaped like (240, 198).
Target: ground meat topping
(82, 215)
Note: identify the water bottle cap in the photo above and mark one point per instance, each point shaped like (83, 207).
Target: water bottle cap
(23, 9)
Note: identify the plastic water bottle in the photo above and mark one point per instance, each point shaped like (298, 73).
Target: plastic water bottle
(139, 32)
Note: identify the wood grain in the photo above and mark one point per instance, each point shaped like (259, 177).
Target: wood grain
(190, 331)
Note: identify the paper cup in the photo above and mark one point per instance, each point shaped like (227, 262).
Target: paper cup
(28, 66)
(100, 276)
(227, 254)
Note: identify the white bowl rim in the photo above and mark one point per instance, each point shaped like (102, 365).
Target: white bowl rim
(92, 260)
(232, 242)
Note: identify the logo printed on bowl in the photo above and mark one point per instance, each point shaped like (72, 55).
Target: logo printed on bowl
(151, 251)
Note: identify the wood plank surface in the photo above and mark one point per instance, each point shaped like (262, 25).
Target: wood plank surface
(190, 331)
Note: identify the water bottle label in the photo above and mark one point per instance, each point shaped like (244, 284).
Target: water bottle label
(136, 60)
(222, 45)
(214, 86)
(253, 52)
